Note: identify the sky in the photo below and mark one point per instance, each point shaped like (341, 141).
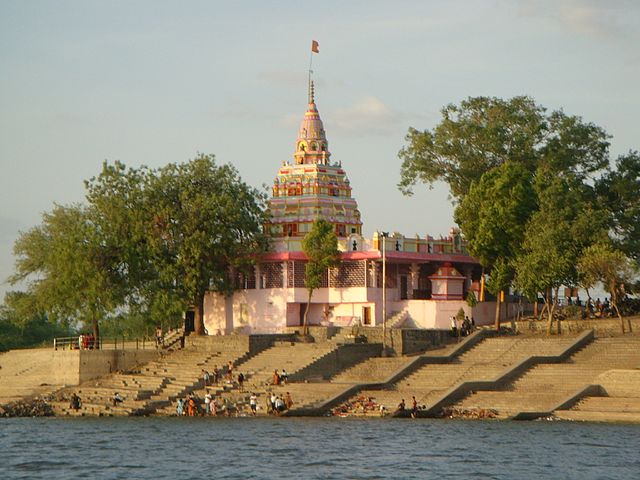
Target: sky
(154, 82)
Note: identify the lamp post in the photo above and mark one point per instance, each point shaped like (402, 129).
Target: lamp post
(384, 293)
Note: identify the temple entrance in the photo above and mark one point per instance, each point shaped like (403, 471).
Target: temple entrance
(366, 315)
(189, 322)
(404, 287)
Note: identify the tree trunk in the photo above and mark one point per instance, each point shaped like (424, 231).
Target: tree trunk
(535, 306)
(198, 321)
(549, 315)
(555, 302)
(619, 315)
(96, 330)
(497, 320)
(305, 324)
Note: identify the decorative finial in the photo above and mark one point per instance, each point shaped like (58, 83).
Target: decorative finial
(311, 92)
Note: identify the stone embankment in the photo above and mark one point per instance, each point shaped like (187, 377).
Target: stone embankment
(575, 376)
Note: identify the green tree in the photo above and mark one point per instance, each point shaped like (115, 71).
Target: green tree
(320, 246)
(70, 274)
(565, 223)
(619, 191)
(202, 221)
(602, 263)
(483, 133)
(493, 217)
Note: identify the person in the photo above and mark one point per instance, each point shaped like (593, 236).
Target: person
(159, 339)
(414, 407)
(180, 407)
(213, 406)
(216, 374)
(288, 401)
(76, 402)
(276, 377)
(241, 381)
(280, 405)
(284, 376)
(269, 404)
(402, 405)
(273, 402)
(230, 371)
(207, 403)
(205, 377)
(191, 406)
(253, 403)
(454, 328)
(117, 398)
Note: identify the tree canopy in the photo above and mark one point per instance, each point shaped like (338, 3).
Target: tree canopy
(533, 189)
(148, 241)
(320, 246)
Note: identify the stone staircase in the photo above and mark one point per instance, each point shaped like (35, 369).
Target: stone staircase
(485, 361)
(619, 400)
(154, 387)
(291, 356)
(544, 387)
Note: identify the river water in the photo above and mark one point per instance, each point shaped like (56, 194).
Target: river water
(282, 448)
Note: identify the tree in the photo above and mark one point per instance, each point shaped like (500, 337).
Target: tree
(619, 190)
(70, 274)
(483, 133)
(492, 217)
(480, 134)
(203, 221)
(565, 223)
(602, 263)
(320, 246)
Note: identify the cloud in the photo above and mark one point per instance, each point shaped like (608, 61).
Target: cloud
(367, 115)
(594, 18)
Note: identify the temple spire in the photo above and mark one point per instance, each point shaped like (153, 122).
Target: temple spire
(312, 92)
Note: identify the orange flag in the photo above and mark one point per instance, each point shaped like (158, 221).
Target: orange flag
(314, 46)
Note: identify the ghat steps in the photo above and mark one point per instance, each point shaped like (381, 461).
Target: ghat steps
(544, 387)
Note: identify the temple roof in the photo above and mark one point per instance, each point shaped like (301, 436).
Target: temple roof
(311, 145)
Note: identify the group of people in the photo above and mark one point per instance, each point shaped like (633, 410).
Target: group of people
(280, 378)
(217, 375)
(86, 341)
(402, 407)
(462, 328)
(277, 404)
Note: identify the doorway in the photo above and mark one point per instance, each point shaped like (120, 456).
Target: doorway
(366, 315)
(404, 287)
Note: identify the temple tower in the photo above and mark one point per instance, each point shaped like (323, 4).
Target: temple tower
(311, 188)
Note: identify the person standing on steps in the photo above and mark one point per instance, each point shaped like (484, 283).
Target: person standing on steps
(207, 403)
(288, 401)
(253, 403)
(414, 407)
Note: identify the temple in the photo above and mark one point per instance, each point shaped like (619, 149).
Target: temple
(426, 279)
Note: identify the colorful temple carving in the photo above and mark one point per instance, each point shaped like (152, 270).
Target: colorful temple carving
(311, 188)
(427, 279)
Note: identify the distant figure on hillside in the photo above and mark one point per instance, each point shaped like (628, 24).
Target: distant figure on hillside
(230, 371)
(288, 401)
(216, 374)
(76, 402)
(159, 337)
(205, 377)
(241, 381)
(284, 377)
(276, 377)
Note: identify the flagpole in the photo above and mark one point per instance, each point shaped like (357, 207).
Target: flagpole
(310, 72)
